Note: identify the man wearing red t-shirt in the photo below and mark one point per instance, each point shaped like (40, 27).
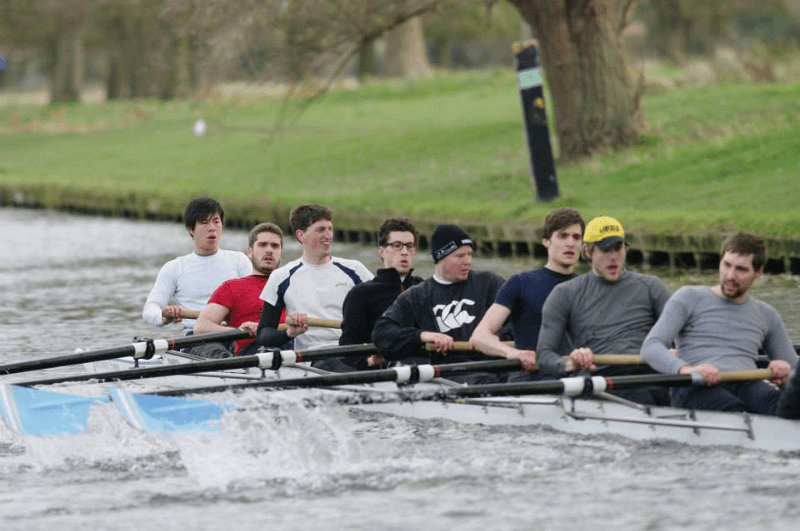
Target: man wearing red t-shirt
(236, 302)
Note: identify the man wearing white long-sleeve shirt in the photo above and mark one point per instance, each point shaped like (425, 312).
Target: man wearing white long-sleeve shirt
(189, 280)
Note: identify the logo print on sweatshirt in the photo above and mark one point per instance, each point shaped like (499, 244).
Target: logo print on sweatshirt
(453, 315)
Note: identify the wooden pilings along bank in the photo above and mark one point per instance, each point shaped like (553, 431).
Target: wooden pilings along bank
(687, 252)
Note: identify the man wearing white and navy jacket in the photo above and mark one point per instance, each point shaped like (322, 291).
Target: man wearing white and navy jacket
(313, 285)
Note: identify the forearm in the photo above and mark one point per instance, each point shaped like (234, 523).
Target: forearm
(550, 337)
(355, 327)
(656, 353)
(488, 343)
(207, 326)
(267, 334)
(151, 313)
(270, 337)
(396, 342)
(656, 346)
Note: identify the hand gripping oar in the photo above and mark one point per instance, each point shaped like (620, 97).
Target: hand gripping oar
(144, 348)
(271, 360)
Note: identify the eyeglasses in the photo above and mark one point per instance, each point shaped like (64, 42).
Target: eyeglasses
(399, 245)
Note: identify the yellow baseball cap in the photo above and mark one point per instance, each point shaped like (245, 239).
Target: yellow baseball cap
(604, 231)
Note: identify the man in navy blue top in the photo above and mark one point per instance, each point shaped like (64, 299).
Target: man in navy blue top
(522, 296)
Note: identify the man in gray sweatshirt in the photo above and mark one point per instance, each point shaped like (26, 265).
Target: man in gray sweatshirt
(721, 328)
(608, 310)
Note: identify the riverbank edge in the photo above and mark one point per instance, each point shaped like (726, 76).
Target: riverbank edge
(503, 239)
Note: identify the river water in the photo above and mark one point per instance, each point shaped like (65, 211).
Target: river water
(74, 281)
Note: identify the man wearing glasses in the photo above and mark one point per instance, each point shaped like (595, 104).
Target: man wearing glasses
(397, 247)
(443, 309)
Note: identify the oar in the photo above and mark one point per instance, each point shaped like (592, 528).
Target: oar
(264, 360)
(401, 374)
(593, 385)
(572, 386)
(635, 359)
(39, 412)
(312, 321)
(141, 349)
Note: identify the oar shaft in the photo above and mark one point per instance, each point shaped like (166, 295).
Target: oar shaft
(133, 349)
(399, 374)
(241, 362)
(576, 386)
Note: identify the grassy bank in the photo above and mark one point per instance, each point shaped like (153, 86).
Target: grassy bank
(715, 158)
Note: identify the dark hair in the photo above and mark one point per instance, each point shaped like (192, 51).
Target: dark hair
(396, 225)
(304, 216)
(561, 218)
(200, 209)
(745, 243)
(264, 227)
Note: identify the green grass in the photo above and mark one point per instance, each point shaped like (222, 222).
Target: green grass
(714, 158)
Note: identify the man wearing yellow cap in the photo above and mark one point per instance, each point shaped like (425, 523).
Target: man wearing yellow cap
(607, 310)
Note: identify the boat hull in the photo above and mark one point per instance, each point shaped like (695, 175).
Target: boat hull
(595, 417)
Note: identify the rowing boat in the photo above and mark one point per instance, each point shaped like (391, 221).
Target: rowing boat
(175, 407)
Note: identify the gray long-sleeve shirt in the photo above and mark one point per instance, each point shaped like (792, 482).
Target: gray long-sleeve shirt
(707, 328)
(607, 317)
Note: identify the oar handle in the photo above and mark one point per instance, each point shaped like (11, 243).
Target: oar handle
(313, 321)
(745, 376)
(615, 359)
(458, 346)
(187, 314)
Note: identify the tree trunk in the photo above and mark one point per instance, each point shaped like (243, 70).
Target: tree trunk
(406, 53)
(671, 30)
(594, 99)
(119, 72)
(68, 60)
(367, 64)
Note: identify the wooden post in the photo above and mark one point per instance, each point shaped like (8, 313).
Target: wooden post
(529, 80)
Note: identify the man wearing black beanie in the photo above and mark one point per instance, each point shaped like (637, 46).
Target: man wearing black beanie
(443, 309)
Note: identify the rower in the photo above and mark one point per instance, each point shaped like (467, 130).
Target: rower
(190, 279)
(364, 303)
(721, 328)
(236, 303)
(443, 309)
(608, 309)
(314, 284)
(522, 296)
